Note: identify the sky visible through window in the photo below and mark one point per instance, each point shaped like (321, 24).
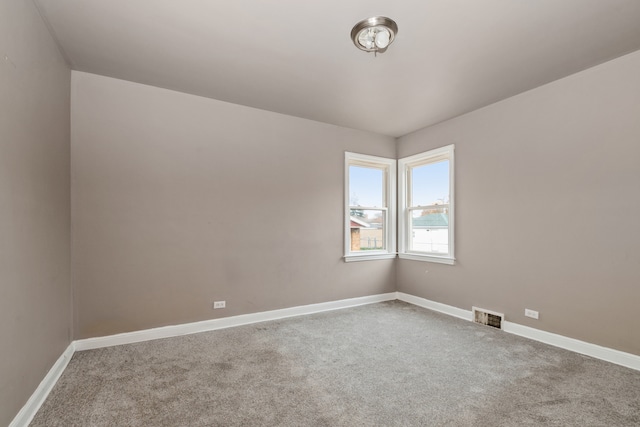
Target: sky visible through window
(430, 184)
(366, 186)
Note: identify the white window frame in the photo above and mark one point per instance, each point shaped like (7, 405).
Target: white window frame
(404, 221)
(389, 201)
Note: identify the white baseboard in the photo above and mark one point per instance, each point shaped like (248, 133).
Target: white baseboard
(435, 306)
(226, 322)
(603, 353)
(29, 410)
(38, 397)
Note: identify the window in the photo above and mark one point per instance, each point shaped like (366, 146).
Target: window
(370, 218)
(426, 203)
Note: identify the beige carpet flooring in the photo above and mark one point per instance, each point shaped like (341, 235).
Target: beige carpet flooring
(387, 364)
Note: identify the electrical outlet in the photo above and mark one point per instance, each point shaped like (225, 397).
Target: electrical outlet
(531, 313)
(219, 304)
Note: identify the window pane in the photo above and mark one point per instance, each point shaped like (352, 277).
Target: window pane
(430, 184)
(366, 186)
(429, 231)
(367, 230)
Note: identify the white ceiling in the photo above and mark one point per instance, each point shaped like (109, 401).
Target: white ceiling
(295, 57)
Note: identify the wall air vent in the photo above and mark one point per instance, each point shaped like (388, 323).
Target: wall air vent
(487, 317)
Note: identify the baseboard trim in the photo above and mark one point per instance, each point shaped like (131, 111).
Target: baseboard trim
(435, 306)
(226, 322)
(38, 397)
(603, 353)
(29, 410)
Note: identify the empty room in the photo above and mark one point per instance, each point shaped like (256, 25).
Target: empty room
(287, 213)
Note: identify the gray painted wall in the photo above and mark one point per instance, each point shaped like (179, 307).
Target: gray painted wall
(547, 207)
(35, 296)
(180, 200)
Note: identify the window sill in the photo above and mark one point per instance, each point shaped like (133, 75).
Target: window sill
(428, 258)
(369, 257)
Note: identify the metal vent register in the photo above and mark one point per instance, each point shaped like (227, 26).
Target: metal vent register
(486, 317)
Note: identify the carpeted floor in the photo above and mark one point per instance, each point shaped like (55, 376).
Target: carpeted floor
(387, 364)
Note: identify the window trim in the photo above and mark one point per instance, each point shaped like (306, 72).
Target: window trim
(446, 152)
(355, 159)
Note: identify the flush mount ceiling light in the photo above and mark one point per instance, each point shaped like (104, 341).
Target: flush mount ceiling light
(374, 34)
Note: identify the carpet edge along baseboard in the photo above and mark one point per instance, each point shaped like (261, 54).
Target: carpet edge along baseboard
(28, 411)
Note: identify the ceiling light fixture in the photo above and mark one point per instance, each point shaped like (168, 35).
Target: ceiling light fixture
(374, 34)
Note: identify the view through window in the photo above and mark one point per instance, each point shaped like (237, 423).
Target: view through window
(429, 207)
(367, 208)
